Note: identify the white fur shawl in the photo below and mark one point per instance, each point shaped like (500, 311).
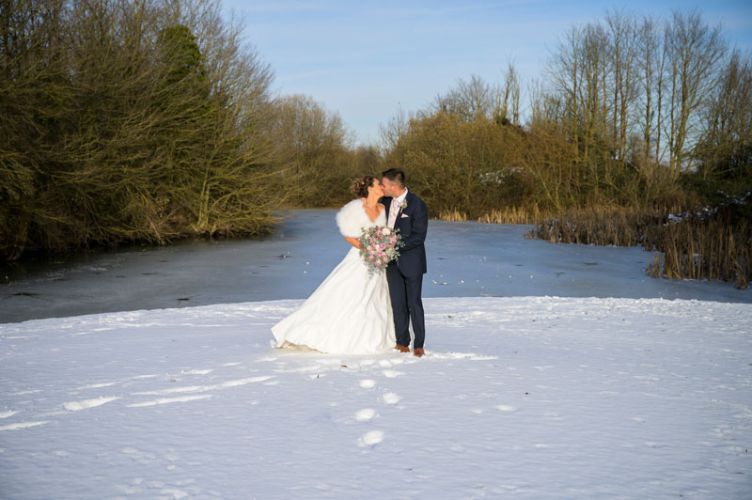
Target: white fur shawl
(351, 218)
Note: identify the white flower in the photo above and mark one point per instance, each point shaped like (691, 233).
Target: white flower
(386, 231)
(403, 205)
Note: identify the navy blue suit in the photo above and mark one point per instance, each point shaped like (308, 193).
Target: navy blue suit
(405, 275)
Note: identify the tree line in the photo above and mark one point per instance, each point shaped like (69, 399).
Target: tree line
(631, 112)
(127, 121)
(149, 120)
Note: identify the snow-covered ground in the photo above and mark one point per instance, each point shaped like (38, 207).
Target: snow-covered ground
(526, 397)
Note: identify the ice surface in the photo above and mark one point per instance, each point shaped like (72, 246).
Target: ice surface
(464, 260)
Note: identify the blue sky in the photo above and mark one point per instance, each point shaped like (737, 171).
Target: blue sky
(365, 60)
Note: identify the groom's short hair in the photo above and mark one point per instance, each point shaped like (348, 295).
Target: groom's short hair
(395, 174)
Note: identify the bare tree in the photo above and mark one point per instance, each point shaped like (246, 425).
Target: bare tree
(623, 48)
(725, 149)
(511, 96)
(391, 132)
(471, 100)
(694, 50)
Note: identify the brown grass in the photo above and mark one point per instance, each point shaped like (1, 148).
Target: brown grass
(507, 215)
(512, 215)
(452, 216)
(715, 248)
(618, 226)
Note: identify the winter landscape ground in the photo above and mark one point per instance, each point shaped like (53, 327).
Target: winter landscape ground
(518, 397)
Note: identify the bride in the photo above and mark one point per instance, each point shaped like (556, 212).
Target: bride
(350, 312)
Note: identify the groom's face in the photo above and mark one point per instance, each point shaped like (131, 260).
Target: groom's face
(391, 188)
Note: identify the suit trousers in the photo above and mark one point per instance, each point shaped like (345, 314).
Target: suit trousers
(405, 293)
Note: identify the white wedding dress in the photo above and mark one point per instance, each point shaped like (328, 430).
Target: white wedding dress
(350, 312)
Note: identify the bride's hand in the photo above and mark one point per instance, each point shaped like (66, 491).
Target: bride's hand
(353, 241)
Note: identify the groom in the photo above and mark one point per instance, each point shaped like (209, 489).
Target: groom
(408, 214)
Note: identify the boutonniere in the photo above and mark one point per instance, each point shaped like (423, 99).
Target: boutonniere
(403, 205)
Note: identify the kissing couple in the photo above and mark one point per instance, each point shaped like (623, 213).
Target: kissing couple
(356, 310)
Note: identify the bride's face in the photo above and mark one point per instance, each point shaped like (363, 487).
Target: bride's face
(376, 188)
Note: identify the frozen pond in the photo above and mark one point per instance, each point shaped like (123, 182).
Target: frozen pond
(464, 260)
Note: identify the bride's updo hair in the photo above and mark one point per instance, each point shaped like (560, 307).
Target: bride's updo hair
(360, 186)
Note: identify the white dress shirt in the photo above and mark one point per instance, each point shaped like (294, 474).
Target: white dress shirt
(394, 209)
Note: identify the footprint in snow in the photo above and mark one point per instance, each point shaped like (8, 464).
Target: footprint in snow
(365, 414)
(367, 383)
(96, 386)
(370, 439)
(205, 371)
(88, 403)
(139, 456)
(164, 401)
(390, 398)
(391, 373)
(22, 425)
(266, 379)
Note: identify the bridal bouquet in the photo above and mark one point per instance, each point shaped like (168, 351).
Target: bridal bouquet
(379, 246)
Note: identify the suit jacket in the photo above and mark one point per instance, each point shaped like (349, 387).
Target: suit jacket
(412, 223)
